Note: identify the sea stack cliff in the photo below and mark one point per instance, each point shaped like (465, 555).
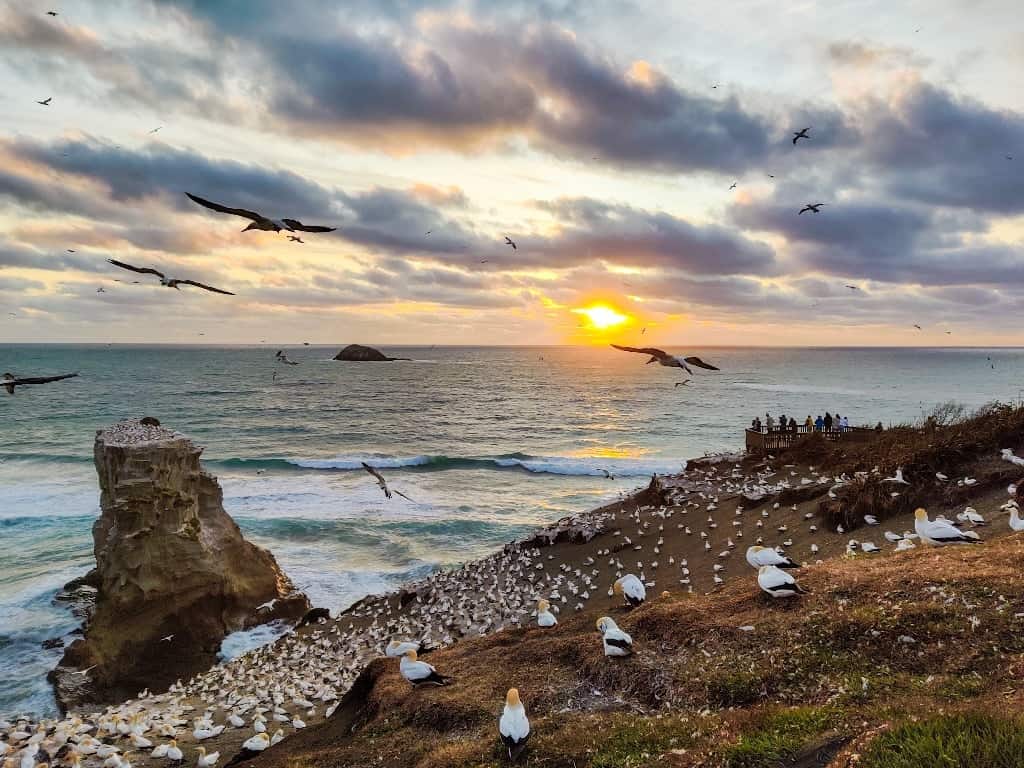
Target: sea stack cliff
(173, 573)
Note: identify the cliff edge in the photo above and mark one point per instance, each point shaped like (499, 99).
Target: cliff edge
(173, 573)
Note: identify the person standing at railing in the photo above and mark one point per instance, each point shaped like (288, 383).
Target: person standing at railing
(769, 422)
(819, 423)
(792, 425)
(782, 423)
(809, 424)
(828, 421)
(844, 424)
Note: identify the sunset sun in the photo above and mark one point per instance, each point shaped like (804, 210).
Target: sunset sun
(601, 316)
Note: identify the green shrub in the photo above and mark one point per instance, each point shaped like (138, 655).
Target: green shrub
(950, 741)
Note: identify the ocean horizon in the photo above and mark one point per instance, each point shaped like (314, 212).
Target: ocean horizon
(488, 442)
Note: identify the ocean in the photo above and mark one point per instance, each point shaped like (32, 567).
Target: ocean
(488, 442)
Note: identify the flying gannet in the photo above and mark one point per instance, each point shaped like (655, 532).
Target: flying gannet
(10, 381)
(811, 207)
(616, 642)
(758, 557)
(513, 725)
(801, 134)
(383, 483)
(777, 582)
(420, 673)
(940, 532)
(631, 589)
(258, 220)
(167, 282)
(670, 361)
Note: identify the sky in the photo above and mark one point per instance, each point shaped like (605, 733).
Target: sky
(638, 153)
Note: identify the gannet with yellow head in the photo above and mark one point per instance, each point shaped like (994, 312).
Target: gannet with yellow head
(419, 672)
(545, 618)
(941, 532)
(513, 725)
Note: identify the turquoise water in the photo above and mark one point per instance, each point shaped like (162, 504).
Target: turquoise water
(489, 442)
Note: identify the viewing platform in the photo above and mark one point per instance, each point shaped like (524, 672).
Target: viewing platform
(765, 442)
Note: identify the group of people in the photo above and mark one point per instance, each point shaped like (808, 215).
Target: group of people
(826, 423)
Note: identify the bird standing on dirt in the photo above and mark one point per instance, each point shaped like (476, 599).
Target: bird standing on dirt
(758, 556)
(419, 673)
(631, 588)
(513, 725)
(615, 641)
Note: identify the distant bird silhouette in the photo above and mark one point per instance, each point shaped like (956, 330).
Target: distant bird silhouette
(801, 134)
(852, 287)
(295, 239)
(156, 129)
(283, 358)
(669, 361)
(812, 207)
(383, 483)
(606, 473)
(733, 186)
(258, 220)
(101, 289)
(683, 383)
(508, 241)
(45, 102)
(167, 282)
(1009, 157)
(918, 327)
(71, 250)
(51, 13)
(428, 231)
(10, 381)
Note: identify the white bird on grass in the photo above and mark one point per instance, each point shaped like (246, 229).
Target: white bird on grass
(545, 618)
(758, 557)
(513, 725)
(615, 641)
(777, 583)
(419, 673)
(631, 588)
(940, 532)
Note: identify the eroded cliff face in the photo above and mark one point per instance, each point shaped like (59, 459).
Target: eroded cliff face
(173, 573)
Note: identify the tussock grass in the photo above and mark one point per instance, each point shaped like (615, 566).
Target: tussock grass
(779, 737)
(972, 740)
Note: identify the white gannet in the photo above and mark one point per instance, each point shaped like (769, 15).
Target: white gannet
(897, 478)
(419, 672)
(545, 618)
(662, 357)
(939, 532)
(970, 515)
(388, 493)
(758, 556)
(616, 642)
(1008, 455)
(278, 736)
(513, 725)
(396, 649)
(1016, 523)
(777, 582)
(167, 282)
(631, 588)
(174, 753)
(200, 732)
(258, 220)
(206, 760)
(870, 519)
(255, 744)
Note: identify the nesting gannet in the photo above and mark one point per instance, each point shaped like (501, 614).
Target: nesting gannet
(167, 282)
(758, 557)
(396, 649)
(870, 519)
(10, 381)
(1016, 523)
(513, 725)
(631, 589)
(939, 532)
(616, 642)
(897, 478)
(419, 672)
(254, 745)
(777, 582)
(1007, 454)
(258, 220)
(970, 515)
(670, 361)
(545, 618)
(206, 760)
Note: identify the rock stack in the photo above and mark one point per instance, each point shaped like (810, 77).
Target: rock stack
(173, 573)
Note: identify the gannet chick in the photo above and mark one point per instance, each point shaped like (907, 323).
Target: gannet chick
(545, 618)
(631, 588)
(616, 642)
(939, 532)
(513, 725)
(758, 556)
(419, 672)
(777, 582)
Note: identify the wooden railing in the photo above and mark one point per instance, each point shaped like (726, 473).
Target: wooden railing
(777, 440)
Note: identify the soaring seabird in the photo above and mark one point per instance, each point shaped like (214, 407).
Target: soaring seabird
(168, 282)
(940, 532)
(383, 483)
(508, 241)
(283, 358)
(683, 383)
(733, 186)
(631, 589)
(419, 672)
(513, 725)
(758, 557)
(615, 641)
(258, 220)
(671, 361)
(51, 13)
(296, 239)
(801, 134)
(777, 582)
(10, 381)
(812, 207)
